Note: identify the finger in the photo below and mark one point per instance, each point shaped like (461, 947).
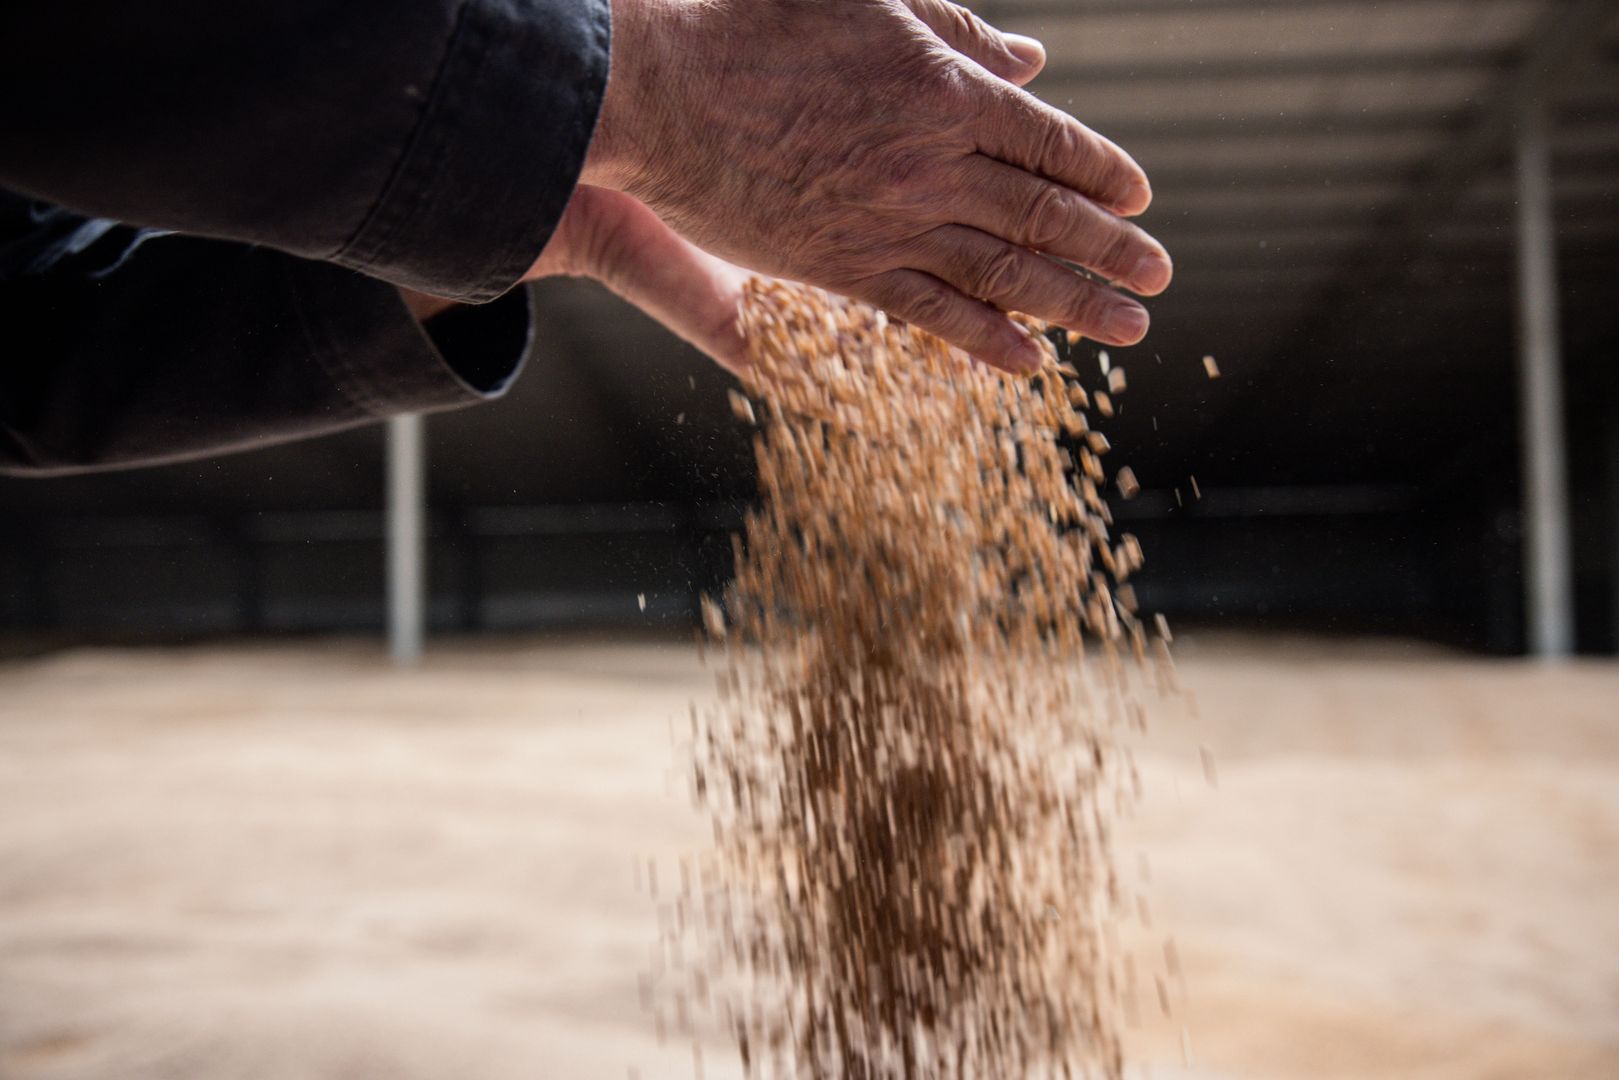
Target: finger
(1023, 131)
(972, 326)
(630, 250)
(1012, 204)
(1012, 57)
(1016, 279)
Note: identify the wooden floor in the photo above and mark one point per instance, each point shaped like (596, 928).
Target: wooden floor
(291, 863)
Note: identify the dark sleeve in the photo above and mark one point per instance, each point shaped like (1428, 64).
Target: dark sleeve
(128, 347)
(429, 143)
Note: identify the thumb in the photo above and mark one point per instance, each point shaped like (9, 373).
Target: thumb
(1013, 57)
(620, 242)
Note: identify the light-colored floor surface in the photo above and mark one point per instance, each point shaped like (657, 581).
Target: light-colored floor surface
(290, 863)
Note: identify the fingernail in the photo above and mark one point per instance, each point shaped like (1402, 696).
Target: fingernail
(1126, 323)
(1152, 273)
(1027, 50)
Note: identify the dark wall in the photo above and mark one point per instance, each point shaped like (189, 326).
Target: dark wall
(1356, 492)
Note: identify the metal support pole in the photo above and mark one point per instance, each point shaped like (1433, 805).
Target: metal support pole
(1548, 574)
(407, 502)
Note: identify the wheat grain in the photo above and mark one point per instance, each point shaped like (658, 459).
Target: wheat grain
(910, 770)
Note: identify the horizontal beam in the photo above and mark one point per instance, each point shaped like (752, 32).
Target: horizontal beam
(305, 526)
(1169, 216)
(1585, 162)
(1181, 211)
(1262, 201)
(1280, 66)
(1233, 295)
(1280, 174)
(1180, 9)
(93, 531)
(1263, 206)
(1431, 328)
(1356, 185)
(1301, 125)
(1593, 240)
(1415, 121)
(1301, 273)
(1563, 42)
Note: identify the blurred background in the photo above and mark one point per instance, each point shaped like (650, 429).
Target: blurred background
(1342, 186)
(1396, 230)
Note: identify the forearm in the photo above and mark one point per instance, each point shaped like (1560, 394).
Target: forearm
(192, 347)
(432, 144)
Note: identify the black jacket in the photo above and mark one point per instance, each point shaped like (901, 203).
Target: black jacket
(207, 206)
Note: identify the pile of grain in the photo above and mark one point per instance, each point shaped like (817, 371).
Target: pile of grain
(911, 774)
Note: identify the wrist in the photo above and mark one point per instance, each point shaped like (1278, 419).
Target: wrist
(575, 247)
(617, 150)
(605, 158)
(423, 306)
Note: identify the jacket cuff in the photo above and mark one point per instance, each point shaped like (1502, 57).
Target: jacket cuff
(498, 151)
(385, 363)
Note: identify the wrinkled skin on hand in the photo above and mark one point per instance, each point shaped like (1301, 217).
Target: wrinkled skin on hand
(881, 149)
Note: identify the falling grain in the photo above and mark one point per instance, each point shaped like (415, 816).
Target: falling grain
(713, 618)
(909, 772)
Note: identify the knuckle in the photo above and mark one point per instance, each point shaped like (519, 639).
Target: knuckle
(961, 24)
(1111, 171)
(1061, 149)
(925, 68)
(1118, 246)
(1087, 308)
(1068, 150)
(1001, 274)
(975, 30)
(1046, 219)
(930, 307)
(952, 22)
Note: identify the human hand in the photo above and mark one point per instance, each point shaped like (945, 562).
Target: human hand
(879, 149)
(608, 236)
(611, 237)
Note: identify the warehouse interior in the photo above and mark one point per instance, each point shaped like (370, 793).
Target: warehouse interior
(1338, 184)
(238, 842)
